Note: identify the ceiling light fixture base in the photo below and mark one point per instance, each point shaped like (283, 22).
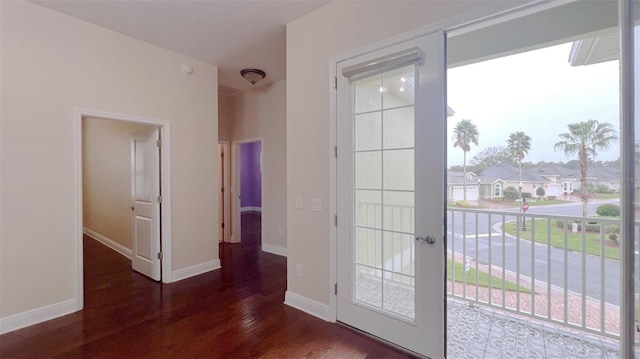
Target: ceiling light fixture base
(253, 75)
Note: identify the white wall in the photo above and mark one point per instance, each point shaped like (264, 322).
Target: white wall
(261, 113)
(334, 29)
(106, 178)
(226, 116)
(52, 64)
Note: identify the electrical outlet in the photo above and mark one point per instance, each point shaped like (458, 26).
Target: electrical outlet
(299, 270)
(298, 202)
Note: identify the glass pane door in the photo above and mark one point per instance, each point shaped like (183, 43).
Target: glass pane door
(383, 201)
(391, 125)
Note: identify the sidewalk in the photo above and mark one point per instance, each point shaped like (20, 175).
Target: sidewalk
(539, 301)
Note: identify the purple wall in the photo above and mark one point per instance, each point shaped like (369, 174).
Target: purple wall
(250, 176)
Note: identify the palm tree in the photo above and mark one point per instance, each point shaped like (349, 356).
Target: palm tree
(519, 145)
(464, 134)
(585, 139)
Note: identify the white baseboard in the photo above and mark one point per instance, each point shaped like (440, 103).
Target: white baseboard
(108, 242)
(281, 251)
(38, 315)
(250, 209)
(194, 270)
(307, 305)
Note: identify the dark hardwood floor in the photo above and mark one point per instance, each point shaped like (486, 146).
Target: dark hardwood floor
(233, 312)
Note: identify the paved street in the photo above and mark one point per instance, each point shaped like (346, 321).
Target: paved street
(518, 253)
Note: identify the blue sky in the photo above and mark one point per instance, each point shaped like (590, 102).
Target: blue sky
(537, 92)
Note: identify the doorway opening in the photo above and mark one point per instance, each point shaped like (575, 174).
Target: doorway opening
(525, 234)
(560, 268)
(224, 199)
(123, 191)
(247, 188)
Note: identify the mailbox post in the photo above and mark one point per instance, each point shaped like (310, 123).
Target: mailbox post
(524, 207)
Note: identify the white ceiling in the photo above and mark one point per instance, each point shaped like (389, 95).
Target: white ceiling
(229, 34)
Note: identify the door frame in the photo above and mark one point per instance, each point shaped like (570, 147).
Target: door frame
(165, 190)
(226, 196)
(236, 232)
(421, 333)
(483, 17)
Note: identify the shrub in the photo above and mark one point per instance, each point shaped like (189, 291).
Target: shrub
(552, 197)
(600, 188)
(608, 210)
(526, 194)
(540, 192)
(510, 193)
(612, 228)
(463, 203)
(591, 226)
(591, 189)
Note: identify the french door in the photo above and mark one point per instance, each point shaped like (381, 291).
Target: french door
(391, 129)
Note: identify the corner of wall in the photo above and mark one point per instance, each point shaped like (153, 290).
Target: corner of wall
(308, 306)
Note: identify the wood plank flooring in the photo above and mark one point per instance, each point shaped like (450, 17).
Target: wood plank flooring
(234, 312)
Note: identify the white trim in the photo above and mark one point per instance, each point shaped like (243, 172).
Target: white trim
(269, 248)
(226, 196)
(333, 191)
(165, 189)
(38, 315)
(250, 209)
(108, 242)
(195, 270)
(308, 306)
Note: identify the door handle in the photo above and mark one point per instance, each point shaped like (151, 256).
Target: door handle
(132, 208)
(429, 239)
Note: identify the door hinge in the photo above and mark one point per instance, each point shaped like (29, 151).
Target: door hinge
(335, 82)
(335, 151)
(335, 288)
(160, 255)
(335, 221)
(159, 199)
(159, 143)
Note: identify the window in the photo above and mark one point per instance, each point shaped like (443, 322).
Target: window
(497, 190)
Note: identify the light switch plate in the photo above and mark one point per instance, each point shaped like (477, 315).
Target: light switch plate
(316, 205)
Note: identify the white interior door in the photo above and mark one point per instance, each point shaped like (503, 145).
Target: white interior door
(145, 208)
(391, 194)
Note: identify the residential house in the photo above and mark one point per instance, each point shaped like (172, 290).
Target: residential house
(496, 178)
(562, 180)
(607, 176)
(455, 188)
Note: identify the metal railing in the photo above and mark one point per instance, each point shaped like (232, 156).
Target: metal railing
(560, 269)
(568, 275)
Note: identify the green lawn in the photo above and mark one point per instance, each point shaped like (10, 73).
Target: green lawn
(541, 202)
(483, 278)
(607, 195)
(574, 240)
